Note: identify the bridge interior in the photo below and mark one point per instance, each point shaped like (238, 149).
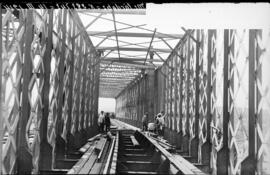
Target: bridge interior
(213, 85)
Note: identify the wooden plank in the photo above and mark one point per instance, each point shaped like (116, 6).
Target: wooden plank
(85, 169)
(134, 141)
(103, 143)
(180, 163)
(115, 155)
(79, 165)
(94, 138)
(108, 162)
(85, 147)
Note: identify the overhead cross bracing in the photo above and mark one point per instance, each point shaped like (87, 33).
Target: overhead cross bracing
(127, 47)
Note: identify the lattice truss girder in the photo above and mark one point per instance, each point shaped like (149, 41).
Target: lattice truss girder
(52, 82)
(216, 50)
(114, 78)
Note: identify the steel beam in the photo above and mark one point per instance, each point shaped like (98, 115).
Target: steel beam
(88, 25)
(1, 118)
(116, 35)
(116, 11)
(128, 59)
(148, 50)
(133, 65)
(134, 49)
(133, 34)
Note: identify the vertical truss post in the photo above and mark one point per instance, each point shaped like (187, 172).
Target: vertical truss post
(180, 134)
(59, 141)
(70, 138)
(248, 166)
(187, 82)
(45, 160)
(87, 97)
(92, 68)
(138, 102)
(24, 159)
(176, 99)
(83, 97)
(223, 154)
(195, 140)
(96, 92)
(151, 96)
(1, 102)
(79, 77)
(172, 112)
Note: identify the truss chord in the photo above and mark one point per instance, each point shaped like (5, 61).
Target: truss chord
(133, 34)
(134, 26)
(132, 44)
(135, 49)
(124, 28)
(117, 11)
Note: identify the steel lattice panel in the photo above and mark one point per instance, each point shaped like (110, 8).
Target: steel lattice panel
(262, 109)
(12, 60)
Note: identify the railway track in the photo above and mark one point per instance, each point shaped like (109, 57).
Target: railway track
(134, 158)
(130, 151)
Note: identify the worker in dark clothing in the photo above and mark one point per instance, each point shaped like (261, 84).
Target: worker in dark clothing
(145, 121)
(107, 122)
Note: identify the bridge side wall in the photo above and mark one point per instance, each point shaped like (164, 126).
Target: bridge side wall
(49, 88)
(214, 91)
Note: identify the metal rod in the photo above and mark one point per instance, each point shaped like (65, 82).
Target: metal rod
(102, 41)
(153, 36)
(135, 49)
(134, 26)
(124, 28)
(116, 11)
(133, 34)
(116, 35)
(88, 25)
(189, 34)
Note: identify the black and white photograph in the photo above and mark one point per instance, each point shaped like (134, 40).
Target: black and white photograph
(135, 88)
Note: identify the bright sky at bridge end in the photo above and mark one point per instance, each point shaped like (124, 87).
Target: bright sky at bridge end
(170, 16)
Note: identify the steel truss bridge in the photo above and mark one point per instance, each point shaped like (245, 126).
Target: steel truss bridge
(213, 86)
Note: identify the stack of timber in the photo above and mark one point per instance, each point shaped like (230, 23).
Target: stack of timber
(95, 154)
